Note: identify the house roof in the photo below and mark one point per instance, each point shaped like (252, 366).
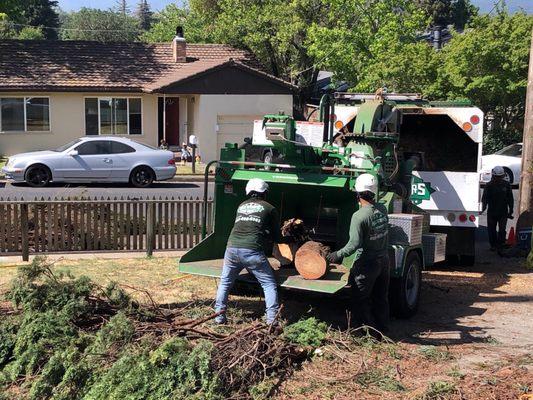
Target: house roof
(34, 65)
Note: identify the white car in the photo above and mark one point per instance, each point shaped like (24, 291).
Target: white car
(510, 158)
(93, 159)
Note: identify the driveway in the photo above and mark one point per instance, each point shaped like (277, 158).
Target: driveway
(17, 191)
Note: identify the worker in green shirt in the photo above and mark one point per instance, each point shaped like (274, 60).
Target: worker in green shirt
(256, 224)
(370, 275)
(498, 198)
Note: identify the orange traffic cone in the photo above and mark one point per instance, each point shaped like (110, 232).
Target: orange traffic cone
(511, 240)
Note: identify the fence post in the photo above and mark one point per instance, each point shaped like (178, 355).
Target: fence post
(150, 228)
(24, 232)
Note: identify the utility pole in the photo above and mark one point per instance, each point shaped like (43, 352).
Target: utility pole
(525, 205)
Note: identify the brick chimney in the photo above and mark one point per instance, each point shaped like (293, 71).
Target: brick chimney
(179, 46)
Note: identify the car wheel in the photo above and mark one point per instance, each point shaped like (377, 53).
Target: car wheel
(405, 291)
(268, 157)
(142, 177)
(509, 175)
(38, 176)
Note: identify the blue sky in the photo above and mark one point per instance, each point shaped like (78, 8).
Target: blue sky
(69, 5)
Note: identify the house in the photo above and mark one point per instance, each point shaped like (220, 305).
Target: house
(52, 92)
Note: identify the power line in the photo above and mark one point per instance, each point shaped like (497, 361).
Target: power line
(76, 29)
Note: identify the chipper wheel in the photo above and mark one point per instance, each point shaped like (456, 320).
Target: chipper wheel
(405, 291)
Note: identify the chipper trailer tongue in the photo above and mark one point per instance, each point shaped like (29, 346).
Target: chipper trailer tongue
(315, 183)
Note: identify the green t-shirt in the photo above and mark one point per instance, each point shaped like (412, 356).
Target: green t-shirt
(369, 231)
(256, 224)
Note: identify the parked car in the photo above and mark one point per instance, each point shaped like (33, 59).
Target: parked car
(93, 159)
(262, 154)
(510, 158)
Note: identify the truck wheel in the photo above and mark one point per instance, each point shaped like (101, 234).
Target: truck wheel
(405, 291)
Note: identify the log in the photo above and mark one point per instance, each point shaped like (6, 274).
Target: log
(284, 253)
(310, 260)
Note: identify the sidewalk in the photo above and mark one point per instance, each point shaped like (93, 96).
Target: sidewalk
(7, 261)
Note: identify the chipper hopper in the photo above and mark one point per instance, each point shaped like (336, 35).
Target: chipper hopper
(315, 183)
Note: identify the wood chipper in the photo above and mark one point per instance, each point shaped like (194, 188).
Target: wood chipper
(315, 182)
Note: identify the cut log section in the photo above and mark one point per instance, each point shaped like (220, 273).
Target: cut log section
(284, 253)
(310, 260)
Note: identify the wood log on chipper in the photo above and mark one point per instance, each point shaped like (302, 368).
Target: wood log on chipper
(310, 260)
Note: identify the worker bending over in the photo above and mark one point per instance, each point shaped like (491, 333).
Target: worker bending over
(498, 198)
(256, 223)
(369, 277)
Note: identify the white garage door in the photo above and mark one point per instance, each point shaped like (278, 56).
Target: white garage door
(234, 128)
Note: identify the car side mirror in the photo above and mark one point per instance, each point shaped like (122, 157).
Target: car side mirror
(73, 153)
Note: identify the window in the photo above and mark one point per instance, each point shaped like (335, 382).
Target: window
(94, 147)
(121, 148)
(113, 116)
(67, 146)
(24, 114)
(514, 150)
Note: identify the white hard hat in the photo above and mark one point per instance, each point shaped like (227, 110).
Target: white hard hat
(256, 185)
(498, 171)
(366, 183)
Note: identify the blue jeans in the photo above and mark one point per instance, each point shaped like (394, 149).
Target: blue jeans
(255, 263)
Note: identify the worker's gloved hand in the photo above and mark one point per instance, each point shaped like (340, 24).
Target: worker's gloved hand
(333, 257)
(287, 240)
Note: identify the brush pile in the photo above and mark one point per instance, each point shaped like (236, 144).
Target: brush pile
(67, 338)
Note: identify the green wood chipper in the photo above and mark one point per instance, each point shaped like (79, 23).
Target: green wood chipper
(315, 183)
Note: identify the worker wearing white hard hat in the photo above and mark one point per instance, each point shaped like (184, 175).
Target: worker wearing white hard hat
(256, 223)
(498, 200)
(369, 276)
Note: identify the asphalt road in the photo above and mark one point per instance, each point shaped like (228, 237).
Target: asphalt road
(17, 191)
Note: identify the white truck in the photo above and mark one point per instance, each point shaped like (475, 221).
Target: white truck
(444, 142)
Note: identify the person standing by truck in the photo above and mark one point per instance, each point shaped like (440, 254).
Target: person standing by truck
(256, 224)
(498, 200)
(370, 275)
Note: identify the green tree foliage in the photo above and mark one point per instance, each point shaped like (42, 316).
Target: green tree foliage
(144, 14)
(121, 6)
(99, 25)
(488, 64)
(448, 12)
(194, 23)
(364, 43)
(29, 19)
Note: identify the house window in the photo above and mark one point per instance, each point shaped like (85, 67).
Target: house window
(113, 116)
(21, 114)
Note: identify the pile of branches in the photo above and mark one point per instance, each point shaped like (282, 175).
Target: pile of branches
(100, 334)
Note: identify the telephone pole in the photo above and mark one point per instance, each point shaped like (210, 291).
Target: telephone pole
(525, 205)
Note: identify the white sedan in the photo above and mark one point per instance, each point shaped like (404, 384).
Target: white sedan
(93, 159)
(510, 158)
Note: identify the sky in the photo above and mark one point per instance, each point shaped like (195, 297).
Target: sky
(70, 5)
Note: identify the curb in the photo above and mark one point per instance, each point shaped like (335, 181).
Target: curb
(177, 178)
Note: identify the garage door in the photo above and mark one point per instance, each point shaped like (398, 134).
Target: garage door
(234, 128)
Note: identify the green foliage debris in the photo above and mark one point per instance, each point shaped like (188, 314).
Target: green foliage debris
(307, 332)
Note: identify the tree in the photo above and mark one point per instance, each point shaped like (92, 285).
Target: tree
(99, 25)
(121, 6)
(488, 64)
(8, 30)
(372, 44)
(32, 16)
(195, 25)
(448, 12)
(144, 14)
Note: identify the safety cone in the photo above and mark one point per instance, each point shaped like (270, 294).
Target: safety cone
(511, 240)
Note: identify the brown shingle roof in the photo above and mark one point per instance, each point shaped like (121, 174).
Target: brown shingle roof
(95, 66)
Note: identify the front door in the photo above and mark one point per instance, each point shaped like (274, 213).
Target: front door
(172, 122)
(94, 161)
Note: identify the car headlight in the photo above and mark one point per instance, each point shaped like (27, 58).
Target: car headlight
(10, 162)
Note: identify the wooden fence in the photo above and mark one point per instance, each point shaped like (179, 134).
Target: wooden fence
(101, 225)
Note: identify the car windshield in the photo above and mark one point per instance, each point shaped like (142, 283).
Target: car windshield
(514, 150)
(67, 146)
